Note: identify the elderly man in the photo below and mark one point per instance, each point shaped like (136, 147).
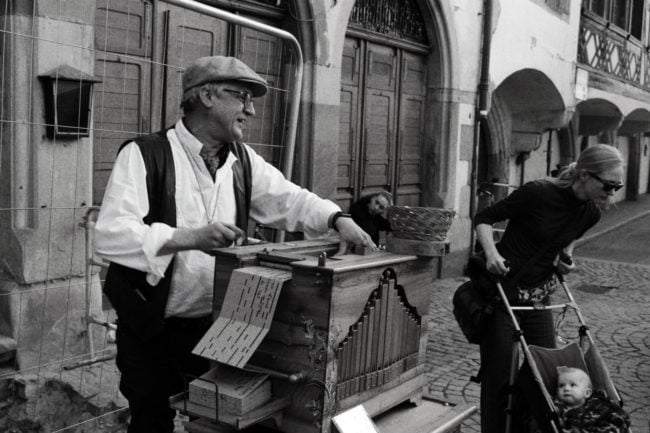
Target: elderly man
(172, 198)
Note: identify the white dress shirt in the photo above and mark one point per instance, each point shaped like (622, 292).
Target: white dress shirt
(122, 237)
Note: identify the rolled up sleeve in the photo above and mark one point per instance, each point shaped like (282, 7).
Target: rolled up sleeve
(279, 203)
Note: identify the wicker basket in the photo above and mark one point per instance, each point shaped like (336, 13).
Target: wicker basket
(420, 223)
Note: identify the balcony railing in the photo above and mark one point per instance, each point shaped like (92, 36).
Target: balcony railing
(612, 51)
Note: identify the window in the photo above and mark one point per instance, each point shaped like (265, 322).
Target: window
(624, 14)
(637, 19)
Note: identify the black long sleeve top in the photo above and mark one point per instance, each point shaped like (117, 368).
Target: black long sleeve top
(537, 212)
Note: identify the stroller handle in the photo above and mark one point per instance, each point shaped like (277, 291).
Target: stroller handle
(545, 307)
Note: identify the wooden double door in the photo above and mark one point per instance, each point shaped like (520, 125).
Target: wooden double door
(382, 119)
(140, 66)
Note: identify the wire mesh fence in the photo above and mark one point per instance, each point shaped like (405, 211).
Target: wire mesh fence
(77, 80)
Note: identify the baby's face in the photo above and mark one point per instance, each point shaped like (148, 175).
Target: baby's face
(573, 388)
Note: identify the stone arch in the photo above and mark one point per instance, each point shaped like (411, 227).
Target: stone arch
(524, 105)
(635, 122)
(597, 115)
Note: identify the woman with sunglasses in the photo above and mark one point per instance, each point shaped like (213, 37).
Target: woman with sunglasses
(545, 217)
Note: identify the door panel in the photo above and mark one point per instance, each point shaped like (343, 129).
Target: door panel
(382, 69)
(347, 140)
(263, 53)
(189, 36)
(121, 107)
(192, 35)
(122, 26)
(382, 115)
(351, 62)
(379, 119)
(411, 130)
(349, 136)
(121, 100)
(378, 142)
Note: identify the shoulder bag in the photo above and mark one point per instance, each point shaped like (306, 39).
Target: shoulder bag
(474, 300)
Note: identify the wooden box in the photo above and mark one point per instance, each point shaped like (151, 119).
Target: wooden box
(354, 327)
(239, 391)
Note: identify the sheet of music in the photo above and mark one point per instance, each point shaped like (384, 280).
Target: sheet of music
(245, 316)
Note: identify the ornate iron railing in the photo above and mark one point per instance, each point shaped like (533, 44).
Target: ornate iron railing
(608, 51)
(401, 19)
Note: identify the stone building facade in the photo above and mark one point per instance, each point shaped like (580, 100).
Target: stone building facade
(441, 102)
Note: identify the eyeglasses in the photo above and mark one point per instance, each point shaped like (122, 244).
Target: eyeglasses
(243, 95)
(608, 185)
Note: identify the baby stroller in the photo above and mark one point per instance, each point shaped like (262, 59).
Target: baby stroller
(535, 382)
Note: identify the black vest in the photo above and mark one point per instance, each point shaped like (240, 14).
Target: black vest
(140, 307)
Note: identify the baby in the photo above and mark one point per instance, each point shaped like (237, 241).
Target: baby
(584, 411)
(573, 387)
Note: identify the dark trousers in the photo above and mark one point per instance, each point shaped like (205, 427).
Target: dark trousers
(496, 360)
(153, 370)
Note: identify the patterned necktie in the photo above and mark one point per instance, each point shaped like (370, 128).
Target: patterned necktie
(211, 161)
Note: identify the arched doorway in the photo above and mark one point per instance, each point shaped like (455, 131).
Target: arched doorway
(599, 120)
(526, 111)
(635, 124)
(383, 108)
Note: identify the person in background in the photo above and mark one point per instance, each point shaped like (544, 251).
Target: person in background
(172, 198)
(370, 213)
(583, 410)
(547, 213)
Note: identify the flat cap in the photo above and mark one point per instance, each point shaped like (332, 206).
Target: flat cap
(220, 68)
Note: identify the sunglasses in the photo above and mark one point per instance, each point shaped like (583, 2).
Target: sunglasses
(608, 185)
(243, 95)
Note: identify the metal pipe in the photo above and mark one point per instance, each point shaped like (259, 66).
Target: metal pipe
(291, 378)
(93, 360)
(545, 307)
(549, 151)
(292, 121)
(480, 115)
(88, 225)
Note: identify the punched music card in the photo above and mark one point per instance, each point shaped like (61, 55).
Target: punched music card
(245, 317)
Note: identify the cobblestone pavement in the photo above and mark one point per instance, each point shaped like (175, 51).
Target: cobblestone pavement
(615, 305)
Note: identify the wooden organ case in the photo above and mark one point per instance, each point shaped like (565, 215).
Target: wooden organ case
(352, 328)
